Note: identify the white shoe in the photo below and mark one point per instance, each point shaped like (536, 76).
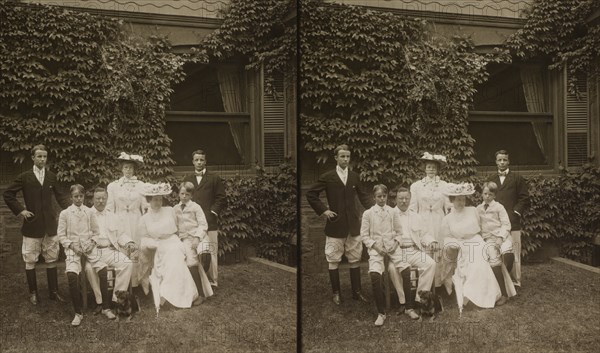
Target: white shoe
(109, 314)
(412, 314)
(380, 320)
(77, 320)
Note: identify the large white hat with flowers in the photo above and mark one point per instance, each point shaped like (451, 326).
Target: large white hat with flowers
(462, 189)
(126, 157)
(160, 189)
(438, 158)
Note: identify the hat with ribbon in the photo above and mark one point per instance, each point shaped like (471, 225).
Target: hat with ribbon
(159, 189)
(462, 189)
(135, 158)
(438, 158)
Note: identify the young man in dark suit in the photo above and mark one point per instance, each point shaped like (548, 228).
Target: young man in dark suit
(209, 193)
(39, 186)
(342, 229)
(513, 194)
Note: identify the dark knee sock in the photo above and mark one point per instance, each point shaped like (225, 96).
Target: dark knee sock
(334, 278)
(52, 275)
(205, 259)
(103, 275)
(509, 260)
(73, 279)
(355, 279)
(196, 276)
(31, 280)
(378, 292)
(500, 278)
(408, 295)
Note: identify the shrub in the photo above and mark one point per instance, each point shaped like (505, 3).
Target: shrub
(262, 212)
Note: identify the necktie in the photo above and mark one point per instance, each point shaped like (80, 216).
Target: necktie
(502, 173)
(485, 206)
(200, 174)
(182, 206)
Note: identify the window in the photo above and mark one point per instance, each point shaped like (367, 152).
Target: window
(208, 111)
(511, 111)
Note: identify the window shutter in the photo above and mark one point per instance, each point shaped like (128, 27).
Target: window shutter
(274, 124)
(577, 125)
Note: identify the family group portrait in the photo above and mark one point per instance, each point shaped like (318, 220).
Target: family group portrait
(300, 175)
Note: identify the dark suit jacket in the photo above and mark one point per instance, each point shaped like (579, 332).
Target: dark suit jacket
(210, 195)
(38, 199)
(513, 195)
(341, 200)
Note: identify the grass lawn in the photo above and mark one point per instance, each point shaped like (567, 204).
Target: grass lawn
(557, 310)
(254, 309)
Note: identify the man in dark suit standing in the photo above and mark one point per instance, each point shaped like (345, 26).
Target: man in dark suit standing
(513, 194)
(342, 229)
(39, 186)
(209, 193)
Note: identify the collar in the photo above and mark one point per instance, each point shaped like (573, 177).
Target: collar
(426, 180)
(93, 208)
(340, 170)
(38, 170)
(505, 172)
(202, 172)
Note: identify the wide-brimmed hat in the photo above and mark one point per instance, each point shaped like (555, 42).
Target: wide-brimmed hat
(462, 189)
(159, 189)
(135, 158)
(438, 158)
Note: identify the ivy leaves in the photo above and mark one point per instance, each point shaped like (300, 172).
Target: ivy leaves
(558, 29)
(81, 86)
(376, 81)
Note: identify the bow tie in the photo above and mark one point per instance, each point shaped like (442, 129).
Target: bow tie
(502, 173)
(200, 173)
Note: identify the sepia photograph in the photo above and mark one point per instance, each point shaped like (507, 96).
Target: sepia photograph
(449, 178)
(148, 173)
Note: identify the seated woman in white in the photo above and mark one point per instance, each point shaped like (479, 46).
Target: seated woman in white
(162, 257)
(473, 276)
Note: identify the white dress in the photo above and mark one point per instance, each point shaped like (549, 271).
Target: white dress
(428, 200)
(473, 275)
(162, 259)
(126, 201)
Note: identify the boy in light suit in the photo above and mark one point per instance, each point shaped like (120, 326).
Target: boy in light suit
(76, 227)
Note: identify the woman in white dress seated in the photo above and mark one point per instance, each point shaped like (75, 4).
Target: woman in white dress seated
(473, 277)
(162, 257)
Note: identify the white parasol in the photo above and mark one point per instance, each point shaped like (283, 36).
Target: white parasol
(155, 283)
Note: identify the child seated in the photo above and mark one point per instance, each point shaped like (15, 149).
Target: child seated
(76, 227)
(495, 230)
(379, 228)
(192, 230)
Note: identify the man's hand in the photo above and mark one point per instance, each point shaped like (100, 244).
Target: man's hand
(26, 214)
(379, 248)
(102, 243)
(330, 214)
(195, 242)
(131, 248)
(76, 247)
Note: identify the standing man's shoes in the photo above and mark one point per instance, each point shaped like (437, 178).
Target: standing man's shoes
(77, 320)
(359, 296)
(98, 309)
(57, 297)
(336, 299)
(33, 298)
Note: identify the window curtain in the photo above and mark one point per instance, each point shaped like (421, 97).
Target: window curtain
(229, 84)
(533, 87)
